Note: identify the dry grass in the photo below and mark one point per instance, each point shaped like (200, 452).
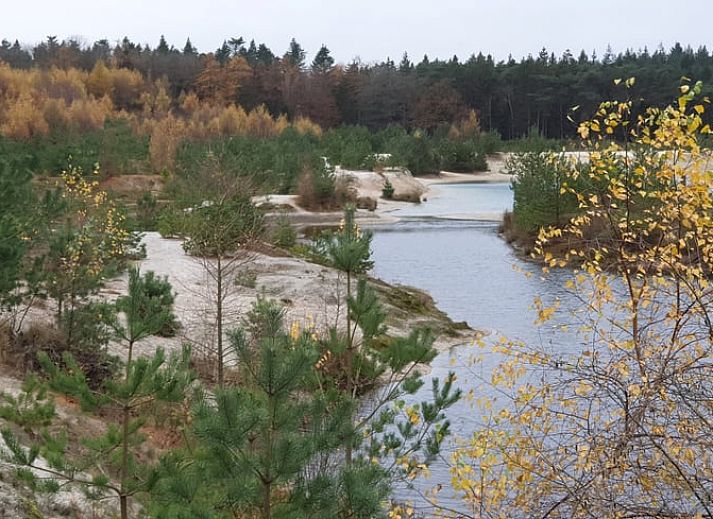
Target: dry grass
(317, 192)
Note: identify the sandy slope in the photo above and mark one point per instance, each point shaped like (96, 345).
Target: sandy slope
(309, 292)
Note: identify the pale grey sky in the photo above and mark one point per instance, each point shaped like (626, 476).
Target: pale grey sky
(373, 29)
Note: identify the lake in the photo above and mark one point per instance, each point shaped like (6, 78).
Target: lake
(445, 248)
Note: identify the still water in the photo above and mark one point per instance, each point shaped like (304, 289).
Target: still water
(443, 247)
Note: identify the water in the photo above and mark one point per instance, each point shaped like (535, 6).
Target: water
(474, 276)
(470, 271)
(465, 201)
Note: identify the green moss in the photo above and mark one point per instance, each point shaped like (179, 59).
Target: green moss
(409, 303)
(407, 299)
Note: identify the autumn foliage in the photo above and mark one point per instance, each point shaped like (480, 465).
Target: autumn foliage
(35, 103)
(618, 423)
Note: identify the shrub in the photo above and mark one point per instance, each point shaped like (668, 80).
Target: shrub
(366, 202)
(285, 235)
(348, 146)
(147, 212)
(413, 151)
(171, 222)
(410, 196)
(246, 278)
(490, 142)
(463, 156)
(388, 190)
(90, 335)
(533, 143)
(537, 186)
(316, 189)
(159, 289)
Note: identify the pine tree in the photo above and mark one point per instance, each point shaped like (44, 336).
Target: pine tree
(295, 55)
(222, 54)
(349, 251)
(109, 463)
(323, 63)
(250, 54)
(254, 442)
(162, 46)
(405, 65)
(361, 362)
(16, 202)
(264, 55)
(236, 45)
(189, 49)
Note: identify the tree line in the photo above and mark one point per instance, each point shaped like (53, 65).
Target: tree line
(513, 97)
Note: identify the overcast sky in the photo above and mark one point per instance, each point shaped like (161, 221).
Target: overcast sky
(373, 29)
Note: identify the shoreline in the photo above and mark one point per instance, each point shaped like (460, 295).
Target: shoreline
(368, 185)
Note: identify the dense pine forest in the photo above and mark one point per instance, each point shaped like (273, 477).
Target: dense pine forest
(512, 97)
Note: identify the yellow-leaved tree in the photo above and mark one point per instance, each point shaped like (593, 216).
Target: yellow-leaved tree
(620, 423)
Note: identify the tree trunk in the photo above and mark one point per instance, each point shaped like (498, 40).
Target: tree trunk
(350, 363)
(266, 504)
(219, 319)
(268, 477)
(490, 113)
(126, 414)
(124, 502)
(512, 117)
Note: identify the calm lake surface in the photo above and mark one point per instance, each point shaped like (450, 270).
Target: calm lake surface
(474, 276)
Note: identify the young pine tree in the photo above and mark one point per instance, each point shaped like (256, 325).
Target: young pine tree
(254, 442)
(108, 461)
(366, 358)
(217, 235)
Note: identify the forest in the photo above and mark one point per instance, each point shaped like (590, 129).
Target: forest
(513, 97)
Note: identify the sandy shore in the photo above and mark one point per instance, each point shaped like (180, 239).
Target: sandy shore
(485, 177)
(369, 184)
(496, 174)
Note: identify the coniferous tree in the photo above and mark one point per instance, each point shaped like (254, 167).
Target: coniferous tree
(295, 55)
(254, 442)
(189, 49)
(264, 55)
(236, 45)
(109, 462)
(16, 202)
(323, 62)
(162, 46)
(361, 359)
(349, 251)
(223, 53)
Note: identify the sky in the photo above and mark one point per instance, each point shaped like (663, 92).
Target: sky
(373, 30)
